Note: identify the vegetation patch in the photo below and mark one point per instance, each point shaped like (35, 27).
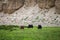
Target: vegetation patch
(46, 33)
(8, 27)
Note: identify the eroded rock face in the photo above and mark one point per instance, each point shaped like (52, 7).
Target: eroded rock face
(57, 5)
(31, 15)
(46, 3)
(30, 3)
(9, 6)
(0, 5)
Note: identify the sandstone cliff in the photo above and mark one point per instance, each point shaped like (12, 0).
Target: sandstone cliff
(10, 6)
(57, 5)
(46, 3)
(30, 12)
(0, 6)
(30, 3)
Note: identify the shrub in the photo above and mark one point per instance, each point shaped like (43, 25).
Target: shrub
(8, 27)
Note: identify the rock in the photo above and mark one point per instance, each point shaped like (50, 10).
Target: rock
(9, 6)
(57, 5)
(30, 3)
(12, 5)
(46, 4)
(0, 5)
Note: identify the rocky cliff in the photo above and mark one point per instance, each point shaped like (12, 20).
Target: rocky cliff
(46, 3)
(44, 12)
(57, 5)
(9, 6)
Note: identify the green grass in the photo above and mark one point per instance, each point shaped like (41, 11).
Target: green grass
(31, 34)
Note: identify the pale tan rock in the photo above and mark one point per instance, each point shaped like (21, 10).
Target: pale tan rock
(46, 3)
(0, 5)
(57, 5)
(29, 3)
(12, 5)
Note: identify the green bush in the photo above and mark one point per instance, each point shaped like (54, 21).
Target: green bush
(8, 27)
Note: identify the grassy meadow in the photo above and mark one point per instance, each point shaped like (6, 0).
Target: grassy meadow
(46, 33)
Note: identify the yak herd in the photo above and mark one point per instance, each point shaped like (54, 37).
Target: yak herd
(31, 26)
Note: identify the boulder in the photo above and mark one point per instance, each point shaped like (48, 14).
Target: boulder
(46, 4)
